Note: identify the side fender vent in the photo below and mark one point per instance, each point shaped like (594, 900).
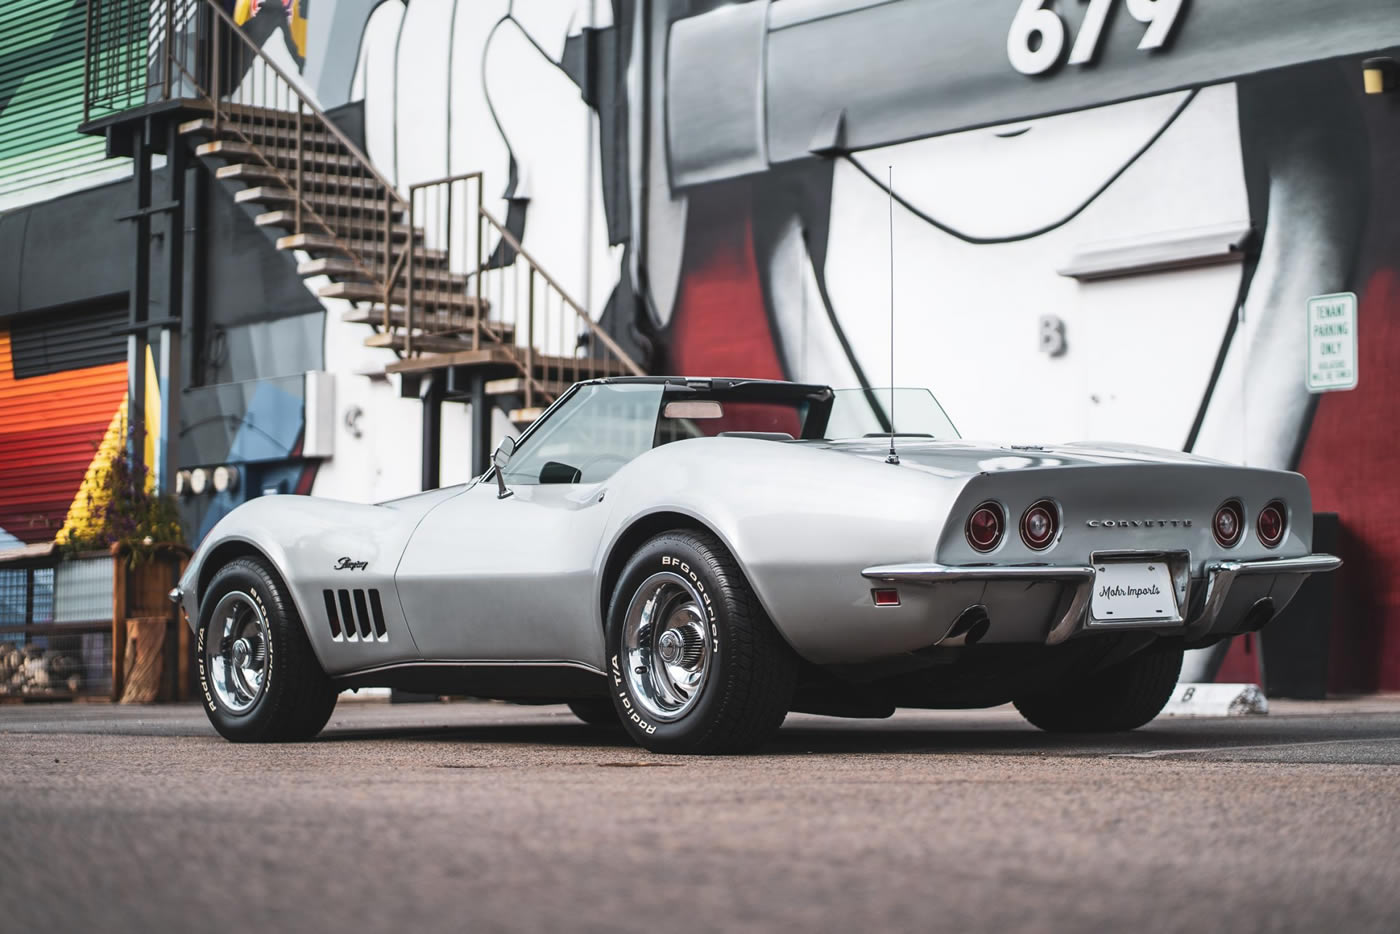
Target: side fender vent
(331, 614)
(355, 615)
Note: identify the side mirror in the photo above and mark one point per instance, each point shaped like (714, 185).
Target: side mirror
(499, 461)
(503, 453)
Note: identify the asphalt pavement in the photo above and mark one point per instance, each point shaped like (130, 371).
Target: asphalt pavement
(488, 817)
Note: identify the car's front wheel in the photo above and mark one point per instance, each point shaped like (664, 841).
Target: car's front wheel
(1121, 697)
(259, 679)
(695, 665)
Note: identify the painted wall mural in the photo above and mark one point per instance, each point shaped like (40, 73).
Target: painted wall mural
(262, 18)
(691, 172)
(41, 74)
(1160, 187)
(1107, 217)
(51, 431)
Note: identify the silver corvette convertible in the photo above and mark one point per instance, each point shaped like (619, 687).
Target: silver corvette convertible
(694, 558)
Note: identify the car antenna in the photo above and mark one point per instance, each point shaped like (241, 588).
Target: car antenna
(894, 455)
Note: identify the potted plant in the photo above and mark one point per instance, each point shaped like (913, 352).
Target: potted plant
(141, 528)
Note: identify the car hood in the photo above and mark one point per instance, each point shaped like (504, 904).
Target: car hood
(969, 458)
(422, 502)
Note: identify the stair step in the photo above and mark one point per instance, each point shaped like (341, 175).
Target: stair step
(369, 252)
(332, 258)
(318, 243)
(258, 174)
(327, 205)
(515, 386)
(547, 368)
(429, 343)
(280, 135)
(422, 343)
(348, 227)
(423, 300)
(341, 267)
(237, 151)
(569, 370)
(250, 113)
(437, 281)
(524, 418)
(434, 322)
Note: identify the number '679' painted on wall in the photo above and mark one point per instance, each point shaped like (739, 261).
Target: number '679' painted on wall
(1038, 35)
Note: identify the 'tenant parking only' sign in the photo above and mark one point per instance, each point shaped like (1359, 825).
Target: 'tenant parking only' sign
(1332, 342)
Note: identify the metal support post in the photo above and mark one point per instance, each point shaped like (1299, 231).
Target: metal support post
(481, 426)
(139, 305)
(168, 366)
(430, 394)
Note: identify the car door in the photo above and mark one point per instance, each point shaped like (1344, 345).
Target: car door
(511, 578)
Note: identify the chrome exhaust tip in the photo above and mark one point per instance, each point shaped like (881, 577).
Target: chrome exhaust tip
(1259, 615)
(969, 628)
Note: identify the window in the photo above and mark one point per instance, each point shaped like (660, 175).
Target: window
(787, 417)
(596, 431)
(865, 413)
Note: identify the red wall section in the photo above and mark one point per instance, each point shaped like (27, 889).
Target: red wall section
(1352, 461)
(50, 427)
(720, 325)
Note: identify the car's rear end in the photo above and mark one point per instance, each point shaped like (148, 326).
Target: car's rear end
(917, 569)
(1048, 545)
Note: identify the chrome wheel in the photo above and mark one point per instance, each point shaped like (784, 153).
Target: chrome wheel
(236, 651)
(666, 643)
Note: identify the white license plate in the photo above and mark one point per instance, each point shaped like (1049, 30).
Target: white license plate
(1126, 592)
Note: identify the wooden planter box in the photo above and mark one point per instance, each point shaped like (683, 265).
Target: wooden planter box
(152, 651)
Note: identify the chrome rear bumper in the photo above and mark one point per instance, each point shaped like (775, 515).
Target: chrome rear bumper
(1220, 577)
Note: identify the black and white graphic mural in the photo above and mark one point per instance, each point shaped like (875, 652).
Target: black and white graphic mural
(1109, 215)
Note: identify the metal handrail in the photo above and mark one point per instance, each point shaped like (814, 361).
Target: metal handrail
(393, 202)
(530, 318)
(460, 177)
(258, 109)
(413, 223)
(326, 122)
(115, 27)
(128, 21)
(593, 330)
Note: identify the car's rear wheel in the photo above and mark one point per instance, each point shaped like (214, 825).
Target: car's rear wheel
(595, 711)
(1122, 697)
(259, 679)
(695, 664)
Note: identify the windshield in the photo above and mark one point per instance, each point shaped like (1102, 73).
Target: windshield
(864, 413)
(590, 436)
(600, 427)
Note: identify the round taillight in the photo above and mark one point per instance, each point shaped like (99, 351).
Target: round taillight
(1039, 524)
(984, 527)
(1229, 524)
(1272, 524)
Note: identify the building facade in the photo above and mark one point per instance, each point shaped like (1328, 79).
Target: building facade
(1108, 221)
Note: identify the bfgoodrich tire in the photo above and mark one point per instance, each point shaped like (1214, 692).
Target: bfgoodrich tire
(1122, 697)
(695, 666)
(258, 678)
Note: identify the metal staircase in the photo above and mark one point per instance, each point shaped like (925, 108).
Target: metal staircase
(439, 279)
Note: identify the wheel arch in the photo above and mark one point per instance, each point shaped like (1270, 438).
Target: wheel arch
(234, 548)
(642, 527)
(631, 538)
(226, 551)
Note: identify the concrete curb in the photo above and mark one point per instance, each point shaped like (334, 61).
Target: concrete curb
(1216, 700)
